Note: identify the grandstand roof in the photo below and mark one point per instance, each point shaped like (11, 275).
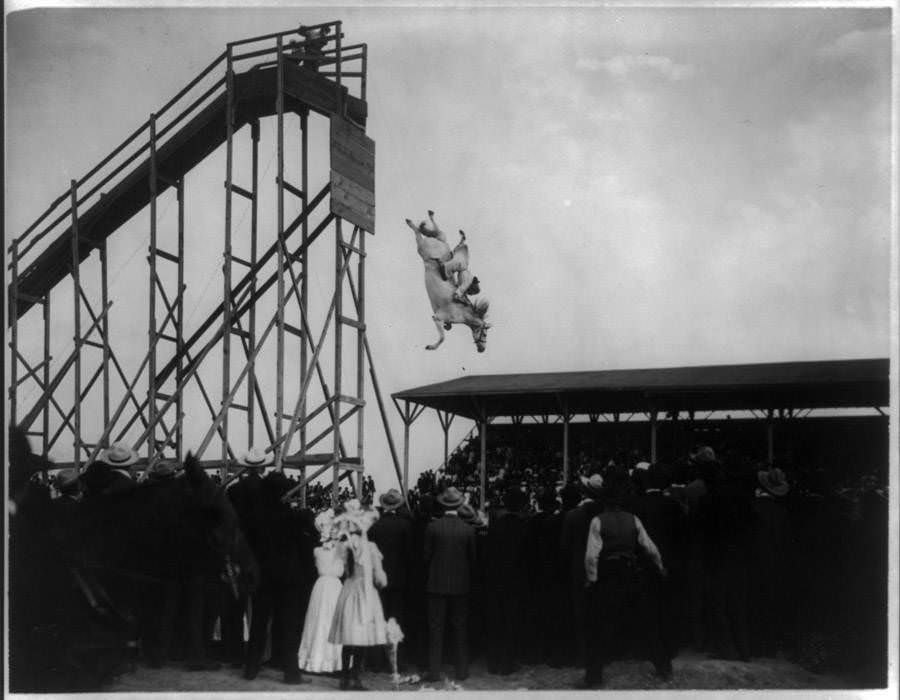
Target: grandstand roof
(781, 385)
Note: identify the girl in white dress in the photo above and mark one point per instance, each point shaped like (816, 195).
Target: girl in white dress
(317, 654)
(358, 617)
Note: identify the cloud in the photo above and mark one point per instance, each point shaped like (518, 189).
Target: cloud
(625, 65)
(858, 43)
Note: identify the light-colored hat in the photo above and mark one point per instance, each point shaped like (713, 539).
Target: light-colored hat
(592, 485)
(451, 498)
(324, 521)
(118, 455)
(391, 500)
(256, 458)
(642, 466)
(774, 481)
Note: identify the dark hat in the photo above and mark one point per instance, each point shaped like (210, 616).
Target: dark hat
(774, 481)
(546, 498)
(164, 469)
(592, 485)
(514, 498)
(451, 498)
(657, 478)
(467, 514)
(391, 499)
(570, 494)
(66, 480)
(704, 455)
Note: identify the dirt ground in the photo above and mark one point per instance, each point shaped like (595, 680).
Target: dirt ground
(691, 672)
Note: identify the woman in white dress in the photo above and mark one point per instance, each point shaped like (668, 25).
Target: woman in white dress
(317, 654)
(358, 618)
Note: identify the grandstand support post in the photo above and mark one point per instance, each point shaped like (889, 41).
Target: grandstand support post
(304, 278)
(482, 483)
(254, 243)
(104, 301)
(653, 426)
(152, 333)
(566, 420)
(408, 415)
(446, 420)
(770, 435)
(45, 438)
(279, 210)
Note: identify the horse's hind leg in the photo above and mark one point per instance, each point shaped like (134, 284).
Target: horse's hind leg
(438, 325)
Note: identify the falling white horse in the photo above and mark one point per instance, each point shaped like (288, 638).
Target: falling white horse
(447, 296)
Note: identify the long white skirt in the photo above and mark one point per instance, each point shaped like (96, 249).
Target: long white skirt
(317, 654)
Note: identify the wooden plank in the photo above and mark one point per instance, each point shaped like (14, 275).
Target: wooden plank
(353, 170)
(346, 188)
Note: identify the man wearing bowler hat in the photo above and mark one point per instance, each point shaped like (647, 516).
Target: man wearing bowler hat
(393, 533)
(450, 557)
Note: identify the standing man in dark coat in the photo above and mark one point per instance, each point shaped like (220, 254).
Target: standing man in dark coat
(663, 519)
(450, 557)
(506, 584)
(245, 495)
(573, 541)
(393, 533)
(284, 550)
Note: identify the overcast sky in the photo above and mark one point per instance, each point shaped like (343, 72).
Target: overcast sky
(641, 187)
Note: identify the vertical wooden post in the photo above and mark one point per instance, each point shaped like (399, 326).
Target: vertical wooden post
(254, 220)
(770, 435)
(226, 259)
(406, 423)
(45, 414)
(76, 296)
(14, 333)
(104, 292)
(360, 353)
(338, 354)
(482, 429)
(653, 427)
(151, 322)
(179, 326)
(566, 418)
(279, 359)
(304, 277)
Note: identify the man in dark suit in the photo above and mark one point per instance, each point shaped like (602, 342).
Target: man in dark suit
(573, 542)
(450, 557)
(506, 574)
(285, 556)
(393, 533)
(245, 495)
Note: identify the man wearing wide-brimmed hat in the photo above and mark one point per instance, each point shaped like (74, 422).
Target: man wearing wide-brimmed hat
(110, 473)
(393, 533)
(573, 540)
(769, 588)
(246, 496)
(450, 559)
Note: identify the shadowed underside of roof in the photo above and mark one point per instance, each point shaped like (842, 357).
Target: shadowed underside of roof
(821, 384)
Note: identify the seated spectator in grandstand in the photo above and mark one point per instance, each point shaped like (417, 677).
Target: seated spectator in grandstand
(506, 582)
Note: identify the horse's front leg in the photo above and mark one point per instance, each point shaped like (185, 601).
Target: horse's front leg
(439, 325)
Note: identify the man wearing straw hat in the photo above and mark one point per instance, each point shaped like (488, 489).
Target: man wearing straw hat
(110, 473)
(450, 558)
(245, 496)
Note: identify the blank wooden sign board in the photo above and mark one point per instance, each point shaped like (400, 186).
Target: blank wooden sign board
(352, 174)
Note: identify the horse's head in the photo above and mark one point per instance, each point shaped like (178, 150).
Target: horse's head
(478, 325)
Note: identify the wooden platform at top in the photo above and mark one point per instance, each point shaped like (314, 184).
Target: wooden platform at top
(255, 97)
